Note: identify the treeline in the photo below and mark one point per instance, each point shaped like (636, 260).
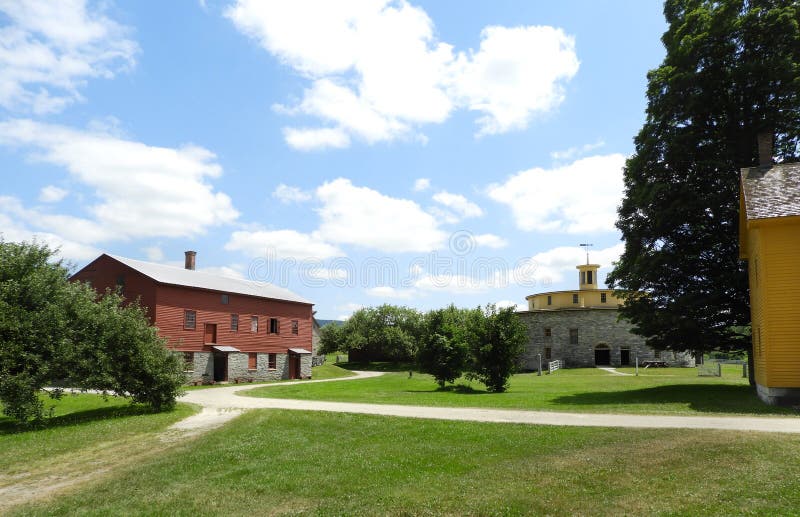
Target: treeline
(481, 343)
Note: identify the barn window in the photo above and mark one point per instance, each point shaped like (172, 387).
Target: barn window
(657, 354)
(225, 299)
(272, 361)
(548, 352)
(548, 332)
(189, 320)
(274, 326)
(295, 327)
(603, 298)
(253, 323)
(234, 323)
(589, 277)
(188, 361)
(583, 277)
(549, 300)
(574, 298)
(252, 361)
(573, 336)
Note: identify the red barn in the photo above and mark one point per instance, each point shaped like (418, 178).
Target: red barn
(226, 328)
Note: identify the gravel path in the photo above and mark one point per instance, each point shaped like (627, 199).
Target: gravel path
(223, 404)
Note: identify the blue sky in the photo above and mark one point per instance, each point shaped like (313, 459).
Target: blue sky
(363, 152)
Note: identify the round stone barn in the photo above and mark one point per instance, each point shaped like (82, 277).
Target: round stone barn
(582, 329)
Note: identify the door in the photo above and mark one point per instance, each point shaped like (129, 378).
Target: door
(625, 357)
(294, 366)
(210, 335)
(602, 355)
(220, 366)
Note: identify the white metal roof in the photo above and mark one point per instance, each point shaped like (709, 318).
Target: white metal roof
(191, 278)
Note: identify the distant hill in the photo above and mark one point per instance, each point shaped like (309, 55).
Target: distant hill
(322, 323)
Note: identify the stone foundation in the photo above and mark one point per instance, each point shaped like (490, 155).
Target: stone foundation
(238, 367)
(596, 327)
(778, 396)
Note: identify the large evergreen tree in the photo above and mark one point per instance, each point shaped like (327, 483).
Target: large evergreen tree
(732, 70)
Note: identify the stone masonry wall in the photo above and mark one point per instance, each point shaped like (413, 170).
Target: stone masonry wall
(238, 367)
(595, 327)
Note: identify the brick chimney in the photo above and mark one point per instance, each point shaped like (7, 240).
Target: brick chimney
(765, 149)
(189, 259)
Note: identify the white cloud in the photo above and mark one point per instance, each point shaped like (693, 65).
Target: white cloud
(377, 72)
(52, 194)
(457, 284)
(517, 73)
(141, 190)
(349, 309)
(48, 51)
(364, 217)
(314, 139)
(581, 197)
(458, 205)
(576, 151)
(11, 229)
(282, 244)
(555, 264)
(154, 253)
(323, 273)
(387, 292)
(490, 241)
(287, 194)
(502, 304)
(422, 184)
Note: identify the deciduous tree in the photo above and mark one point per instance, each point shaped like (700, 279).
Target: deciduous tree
(732, 70)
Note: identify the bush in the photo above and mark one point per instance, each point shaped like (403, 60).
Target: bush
(54, 332)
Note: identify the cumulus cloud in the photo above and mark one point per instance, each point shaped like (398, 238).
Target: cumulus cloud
(422, 184)
(282, 244)
(13, 229)
(140, 190)
(52, 194)
(388, 292)
(367, 218)
(576, 151)
(581, 197)
(490, 240)
(458, 205)
(154, 253)
(377, 72)
(287, 194)
(503, 304)
(48, 51)
(554, 265)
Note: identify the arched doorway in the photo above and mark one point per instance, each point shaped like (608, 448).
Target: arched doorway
(602, 355)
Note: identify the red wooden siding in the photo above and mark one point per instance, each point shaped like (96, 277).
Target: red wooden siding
(167, 305)
(173, 300)
(102, 274)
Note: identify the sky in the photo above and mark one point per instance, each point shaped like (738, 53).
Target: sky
(418, 153)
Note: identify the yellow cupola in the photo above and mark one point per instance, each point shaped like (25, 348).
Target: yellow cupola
(587, 276)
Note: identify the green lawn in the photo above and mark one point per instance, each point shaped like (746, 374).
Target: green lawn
(85, 435)
(656, 391)
(282, 462)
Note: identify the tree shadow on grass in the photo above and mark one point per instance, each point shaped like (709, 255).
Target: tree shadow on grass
(460, 389)
(378, 366)
(700, 397)
(8, 426)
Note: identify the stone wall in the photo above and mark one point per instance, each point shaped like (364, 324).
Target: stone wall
(238, 367)
(595, 327)
(305, 366)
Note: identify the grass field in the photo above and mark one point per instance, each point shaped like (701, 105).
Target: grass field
(86, 434)
(656, 391)
(281, 462)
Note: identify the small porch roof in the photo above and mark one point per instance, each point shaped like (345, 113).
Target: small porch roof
(298, 351)
(225, 348)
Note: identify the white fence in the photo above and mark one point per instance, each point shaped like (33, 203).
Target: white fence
(555, 365)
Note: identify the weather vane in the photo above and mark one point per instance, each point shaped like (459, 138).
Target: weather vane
(587, 246)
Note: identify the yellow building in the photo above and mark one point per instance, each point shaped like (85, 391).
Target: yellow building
(587, 295)
(769, 239)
